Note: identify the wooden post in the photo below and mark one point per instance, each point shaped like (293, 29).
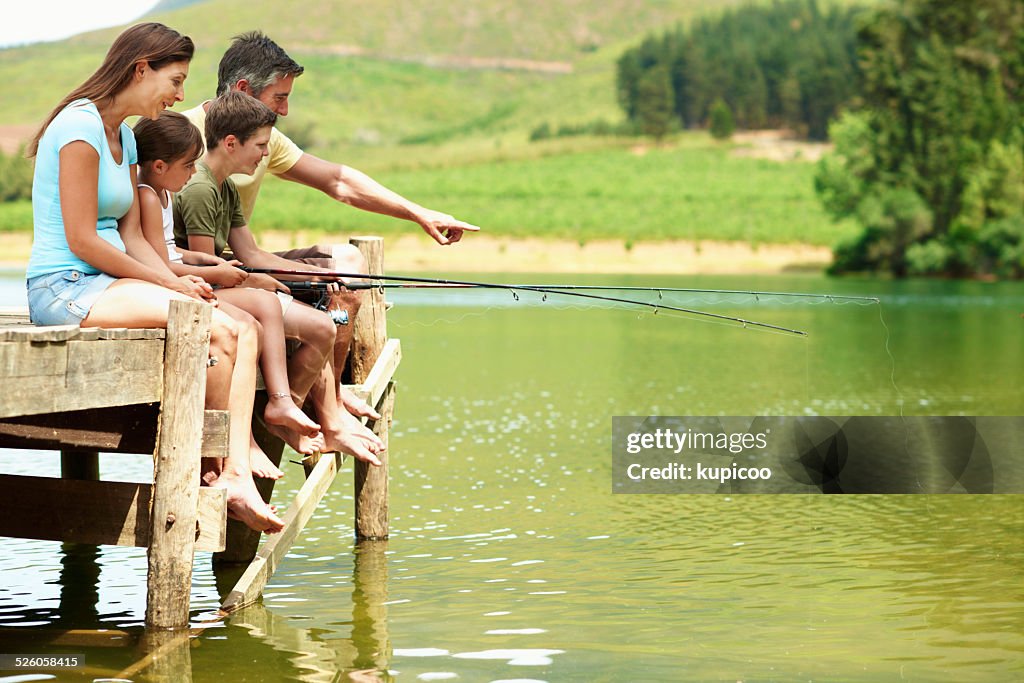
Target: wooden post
(176, 465)
(369, 336)
(371, 483)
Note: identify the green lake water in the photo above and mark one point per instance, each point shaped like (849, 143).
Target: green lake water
(511, 560)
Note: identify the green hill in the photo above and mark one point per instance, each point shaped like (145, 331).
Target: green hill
(403, 87)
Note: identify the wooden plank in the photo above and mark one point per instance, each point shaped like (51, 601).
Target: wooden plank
(176, 465)
(53, 378)
(32, 333)
(371, 483)
(255, 578)
(119, 429)
(22, 331)
(96, 512)
(21, 359)
(382, 373)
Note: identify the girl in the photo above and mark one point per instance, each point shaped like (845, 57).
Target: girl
(90, 264)
(168, 148)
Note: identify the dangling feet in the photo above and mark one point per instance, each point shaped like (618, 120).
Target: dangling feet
(281, 411)
(303, 445)
(355, 405)
(260, 463)
(353, 438)
(245, 503)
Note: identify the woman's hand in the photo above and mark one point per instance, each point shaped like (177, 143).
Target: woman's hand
(195, 287)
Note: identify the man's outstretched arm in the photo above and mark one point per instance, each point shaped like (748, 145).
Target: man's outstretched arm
(357, 189)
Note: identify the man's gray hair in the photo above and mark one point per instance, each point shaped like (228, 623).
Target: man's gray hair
(258, 60)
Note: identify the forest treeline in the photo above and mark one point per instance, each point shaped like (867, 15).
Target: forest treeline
(791, 64)
(930, 157)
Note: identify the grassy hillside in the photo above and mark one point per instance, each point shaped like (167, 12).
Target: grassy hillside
(430, 95)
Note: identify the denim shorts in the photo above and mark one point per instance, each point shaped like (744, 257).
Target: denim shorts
(64, 297)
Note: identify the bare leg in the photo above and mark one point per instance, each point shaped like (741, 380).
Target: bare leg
(244, 500)
(135, 304)
(314, 331)
(281, 410)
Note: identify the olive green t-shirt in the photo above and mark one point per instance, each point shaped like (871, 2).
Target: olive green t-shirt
(205, 208)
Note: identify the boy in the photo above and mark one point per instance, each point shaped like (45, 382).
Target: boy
(208, 218)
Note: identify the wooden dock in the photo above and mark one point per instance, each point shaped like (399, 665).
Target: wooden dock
(84, 391)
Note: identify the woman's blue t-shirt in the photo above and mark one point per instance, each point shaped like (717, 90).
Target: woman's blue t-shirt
(80, 120)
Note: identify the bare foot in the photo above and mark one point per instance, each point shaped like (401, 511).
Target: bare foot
(355, 405)
(354, 439)
(281, 411)
(259, 462)
(245, 503)
(304, 445)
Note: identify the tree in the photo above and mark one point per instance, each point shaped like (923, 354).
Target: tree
(655, 99)
(942, 120)
(722, 125)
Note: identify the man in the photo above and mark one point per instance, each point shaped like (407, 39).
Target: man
(257, 66)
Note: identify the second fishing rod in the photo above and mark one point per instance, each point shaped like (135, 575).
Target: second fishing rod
(381, 281)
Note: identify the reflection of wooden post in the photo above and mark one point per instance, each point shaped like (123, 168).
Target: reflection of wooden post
(79, 585)
(168, 658)
(369, 610)
(369, 335)
(80, 571)
(176, 465)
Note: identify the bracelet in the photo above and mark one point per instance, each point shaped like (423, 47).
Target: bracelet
(280, 394)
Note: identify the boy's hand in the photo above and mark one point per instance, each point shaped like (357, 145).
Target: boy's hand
(264, 281)
(226, 274)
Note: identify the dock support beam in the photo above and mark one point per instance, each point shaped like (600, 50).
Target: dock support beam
(370, 335)
(176, 466)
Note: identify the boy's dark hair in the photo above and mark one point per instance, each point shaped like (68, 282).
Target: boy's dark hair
(257, 59)
(237, 114)
(169, 138)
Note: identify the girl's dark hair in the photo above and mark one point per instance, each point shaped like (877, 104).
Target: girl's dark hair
(170, 137)
(153, 43)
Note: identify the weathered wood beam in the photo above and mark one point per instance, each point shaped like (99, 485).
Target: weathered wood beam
(96, 512)
(256, 576)
(57, 376)
(382, 372)
(121, 429)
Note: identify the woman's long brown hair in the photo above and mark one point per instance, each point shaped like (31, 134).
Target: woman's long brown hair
(153, 43)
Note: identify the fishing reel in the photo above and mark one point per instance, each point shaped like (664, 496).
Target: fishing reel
(339, 316)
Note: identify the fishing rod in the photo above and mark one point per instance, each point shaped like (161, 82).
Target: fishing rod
(512, 288)
(757, 294)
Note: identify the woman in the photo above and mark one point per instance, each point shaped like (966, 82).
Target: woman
(91, 265)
